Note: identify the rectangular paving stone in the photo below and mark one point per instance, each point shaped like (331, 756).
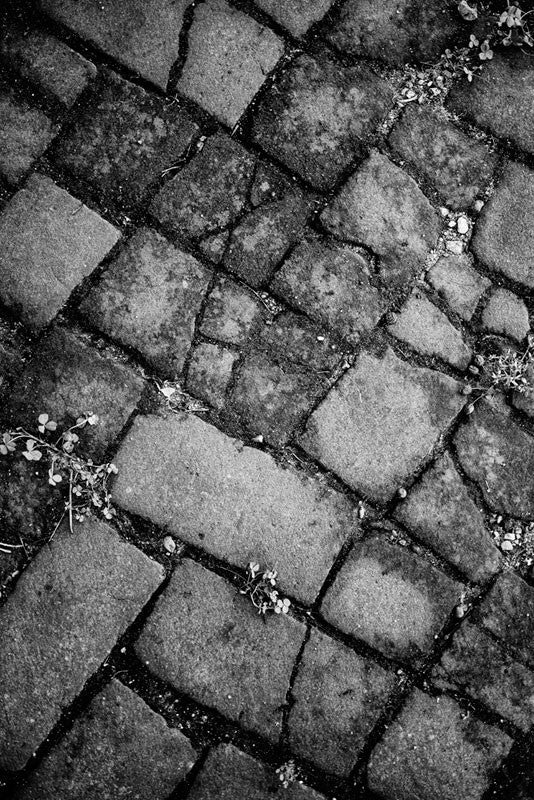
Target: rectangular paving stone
(236, 502)
(49, 242)
(475, 665)
(317, 118)
(231, 313)
(121, 142)
(48, 63)
(68, 609)
(229, 774)
(392, 599)
(25, 134)
(339, 697)
(297, 16)
(435, 751)
(209, 641)
(228, 58)
(441, 513)
(148, 299)
(454, 278)
(508, 613)
(147, 40)
(118, 747)
(209, 372)
(380, 422)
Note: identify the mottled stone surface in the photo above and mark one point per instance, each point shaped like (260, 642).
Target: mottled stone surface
(475, 665)
(118, 747)
(228, 58)
(319, 116)
(234, 501)
(380, 422)
(501, 99)
(381, 207)
(436, 751)
(524, 401)
(427, 329)
(149, 298)
(339, 697)
(25, 133)
(49, 242)
(210, 372)
(68, 610)
(297, 16)
(508, 613)
(458, 167)
(507, 314)
(392, 599)
(454, 278)
(499, 456)
(292, 337)
(331, 283)
(208, 641)
(441, 513)
(231, 313)
(504, 235)
(144, 38)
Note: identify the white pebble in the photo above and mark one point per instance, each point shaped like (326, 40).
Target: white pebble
(507, 546)
(169, 544)
(462, 225)
(455, 246)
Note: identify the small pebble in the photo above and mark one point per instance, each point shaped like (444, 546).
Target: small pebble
(507, 546)
(479, 360)
(258, 439)
(169, 544)
(402, 493)
(478, 205)
(510, 537)
(444, 211)
(462, 225)
(455, 247)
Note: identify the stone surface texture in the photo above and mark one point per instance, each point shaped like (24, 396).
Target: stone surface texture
(25, 133)
(507, 314)
(455, 279)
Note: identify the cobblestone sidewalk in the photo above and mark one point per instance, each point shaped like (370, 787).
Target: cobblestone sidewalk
(298, 301)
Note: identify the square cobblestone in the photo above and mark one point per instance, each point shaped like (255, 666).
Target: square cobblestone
(231, 313)
(123, 140)
(147, 40)
(392, 599)
(292, 337)
(235, 502)
(380, 422)
(208, 641)
(148, 299)
(209, 373)
(297, 16)
(435, 751)
(49, 242)
(229, 56)
(381, 207)
(504, 236)
(68, 609)
(475, 665)
(318, 117)
(458, 167)
(339, 697)
(454, 278)
(118, 747)
(441, 513)
(507, 314)
(508, 613)
(47, 62)
(25, 133)
(331, 283)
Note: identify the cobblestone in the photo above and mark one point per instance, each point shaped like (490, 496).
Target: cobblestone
(228, 59)
(231, 313)
(458, 283)
(293, 337)
(207, 640)
(25, 134)
(49, 242)
(436, 751)
(441, 513)
(339, 697)
(61, 622)
(319, 116)
(391, 599)
(297, 16)
(209, 373)
(380, 422)
(506, 313)
(381, 207)
(427, 329)
(148, 299)
(118, 747)
(507, 612)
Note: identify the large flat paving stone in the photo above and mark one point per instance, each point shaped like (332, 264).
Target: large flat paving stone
(339, 696)
(123, 140)
(25, 133)
(149, 298)
(501, 98)
(118, 747)
(67, 611)
(209, 641)
(392, 599)
(476, 666)
(380, 422)
(234, 501)
(508, 613)
(496, 453)
(504, 235)
(296, 16)
(49, 242)
(435, 751)
(229, 774)
(144, 38)
(318, 117)
(382, 207)
(441, 513)
(229, 56)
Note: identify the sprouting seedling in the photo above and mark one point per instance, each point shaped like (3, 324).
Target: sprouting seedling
(260, 588)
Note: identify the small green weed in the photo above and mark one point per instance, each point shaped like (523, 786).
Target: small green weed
(260, 588)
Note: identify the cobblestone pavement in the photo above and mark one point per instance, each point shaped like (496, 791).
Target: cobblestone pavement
(295, 297)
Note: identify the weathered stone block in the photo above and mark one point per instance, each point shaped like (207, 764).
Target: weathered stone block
(210, 372)
(25, 133)
(505, 313)
(458, 283)
(231, 313)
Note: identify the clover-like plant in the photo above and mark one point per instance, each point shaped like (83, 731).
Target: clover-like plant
(260, 588)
